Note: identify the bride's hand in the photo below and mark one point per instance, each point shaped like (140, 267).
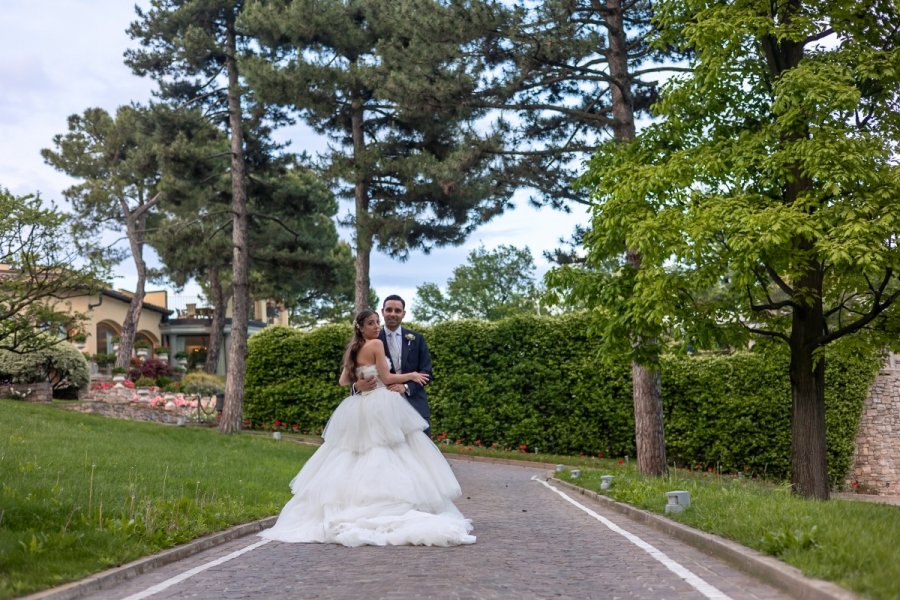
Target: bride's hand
(420, 378)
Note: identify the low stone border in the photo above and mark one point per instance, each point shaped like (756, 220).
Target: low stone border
(781, 575)
(112, 577)
(29, 392)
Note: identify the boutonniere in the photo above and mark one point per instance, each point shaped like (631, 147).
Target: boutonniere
(409, 338)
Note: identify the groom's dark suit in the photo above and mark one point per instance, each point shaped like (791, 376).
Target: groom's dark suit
(414, 357)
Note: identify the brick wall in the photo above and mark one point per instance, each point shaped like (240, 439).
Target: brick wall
(876, 461)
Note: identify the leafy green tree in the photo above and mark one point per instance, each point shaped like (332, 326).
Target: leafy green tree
(771, 179)
(115, 159)
(494, 284)
(43, 267)
(391, 84)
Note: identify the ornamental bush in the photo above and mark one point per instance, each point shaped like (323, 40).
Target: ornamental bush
(540, 384)
(152, 368)
(204, 384)
(61, 364)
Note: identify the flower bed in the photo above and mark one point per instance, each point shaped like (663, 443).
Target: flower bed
(150, 397)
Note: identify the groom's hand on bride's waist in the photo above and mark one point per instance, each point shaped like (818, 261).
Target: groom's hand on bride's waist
(364, 385)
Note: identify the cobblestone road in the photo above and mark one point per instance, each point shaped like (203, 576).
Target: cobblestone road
(532, 544)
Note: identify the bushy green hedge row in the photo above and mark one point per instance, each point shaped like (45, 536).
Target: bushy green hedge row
(540, 382)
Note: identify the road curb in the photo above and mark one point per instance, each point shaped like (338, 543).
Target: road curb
(116, 575)
(770, 570)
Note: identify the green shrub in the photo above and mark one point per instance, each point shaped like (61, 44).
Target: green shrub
(61, 364)
(145, 382)
(204, 384)
(104, 359)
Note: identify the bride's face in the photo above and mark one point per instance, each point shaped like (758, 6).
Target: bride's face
(371, 327)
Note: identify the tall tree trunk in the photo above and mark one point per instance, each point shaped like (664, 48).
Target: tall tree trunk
(232, 415)
(809, 462)
(217, 328)
(645, 379)
(361, 199)
(134, 225)
(649, 431)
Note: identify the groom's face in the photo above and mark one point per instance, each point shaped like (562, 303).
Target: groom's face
(393, 314)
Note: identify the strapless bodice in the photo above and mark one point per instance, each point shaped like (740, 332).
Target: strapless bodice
(366, 371)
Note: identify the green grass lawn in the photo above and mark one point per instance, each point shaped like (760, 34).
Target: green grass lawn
(852, 543)
(82, 493)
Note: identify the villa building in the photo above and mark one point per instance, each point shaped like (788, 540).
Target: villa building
(178, 330)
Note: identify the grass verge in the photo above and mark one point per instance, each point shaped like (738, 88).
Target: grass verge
(83, 493)
(851, 543)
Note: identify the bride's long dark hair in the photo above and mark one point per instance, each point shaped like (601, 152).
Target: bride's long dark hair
(356, 342)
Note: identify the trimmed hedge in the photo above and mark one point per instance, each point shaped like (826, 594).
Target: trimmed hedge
(540, 383)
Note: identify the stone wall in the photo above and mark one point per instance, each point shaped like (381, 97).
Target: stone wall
(876, 461)
(30, 392)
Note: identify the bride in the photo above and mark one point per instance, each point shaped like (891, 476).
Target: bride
(377, 479)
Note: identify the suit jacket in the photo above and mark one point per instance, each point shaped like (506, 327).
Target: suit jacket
(414, 356)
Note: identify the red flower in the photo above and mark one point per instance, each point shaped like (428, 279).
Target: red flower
(621, 461)
(599, 455)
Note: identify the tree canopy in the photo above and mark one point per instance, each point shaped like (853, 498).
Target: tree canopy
(391, 85)
(43, 266)
(764, 199)
(492, 285)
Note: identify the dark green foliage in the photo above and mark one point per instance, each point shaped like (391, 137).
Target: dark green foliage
(541, 382)
(292, 376)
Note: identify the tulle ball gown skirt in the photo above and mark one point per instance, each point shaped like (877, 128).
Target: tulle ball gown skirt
(376, 480)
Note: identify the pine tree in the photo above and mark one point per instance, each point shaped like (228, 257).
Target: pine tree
(391, 84)
(193, 47)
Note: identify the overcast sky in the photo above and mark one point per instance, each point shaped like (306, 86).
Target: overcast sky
(59, 57)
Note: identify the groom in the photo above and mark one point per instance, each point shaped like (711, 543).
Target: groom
(407, 352)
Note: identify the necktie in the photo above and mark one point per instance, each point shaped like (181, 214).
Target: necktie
(394, 349)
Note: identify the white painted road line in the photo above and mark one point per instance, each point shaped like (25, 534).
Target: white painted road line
(190, 573)
(694, 580)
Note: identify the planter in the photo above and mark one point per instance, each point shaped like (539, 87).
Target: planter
(142, 352)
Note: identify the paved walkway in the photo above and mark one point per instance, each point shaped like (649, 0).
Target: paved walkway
(534, 542)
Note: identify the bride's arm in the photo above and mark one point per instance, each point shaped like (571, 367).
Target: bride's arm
(384, 370)
(345, 377)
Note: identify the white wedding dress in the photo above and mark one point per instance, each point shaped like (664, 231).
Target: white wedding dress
(376, 480)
